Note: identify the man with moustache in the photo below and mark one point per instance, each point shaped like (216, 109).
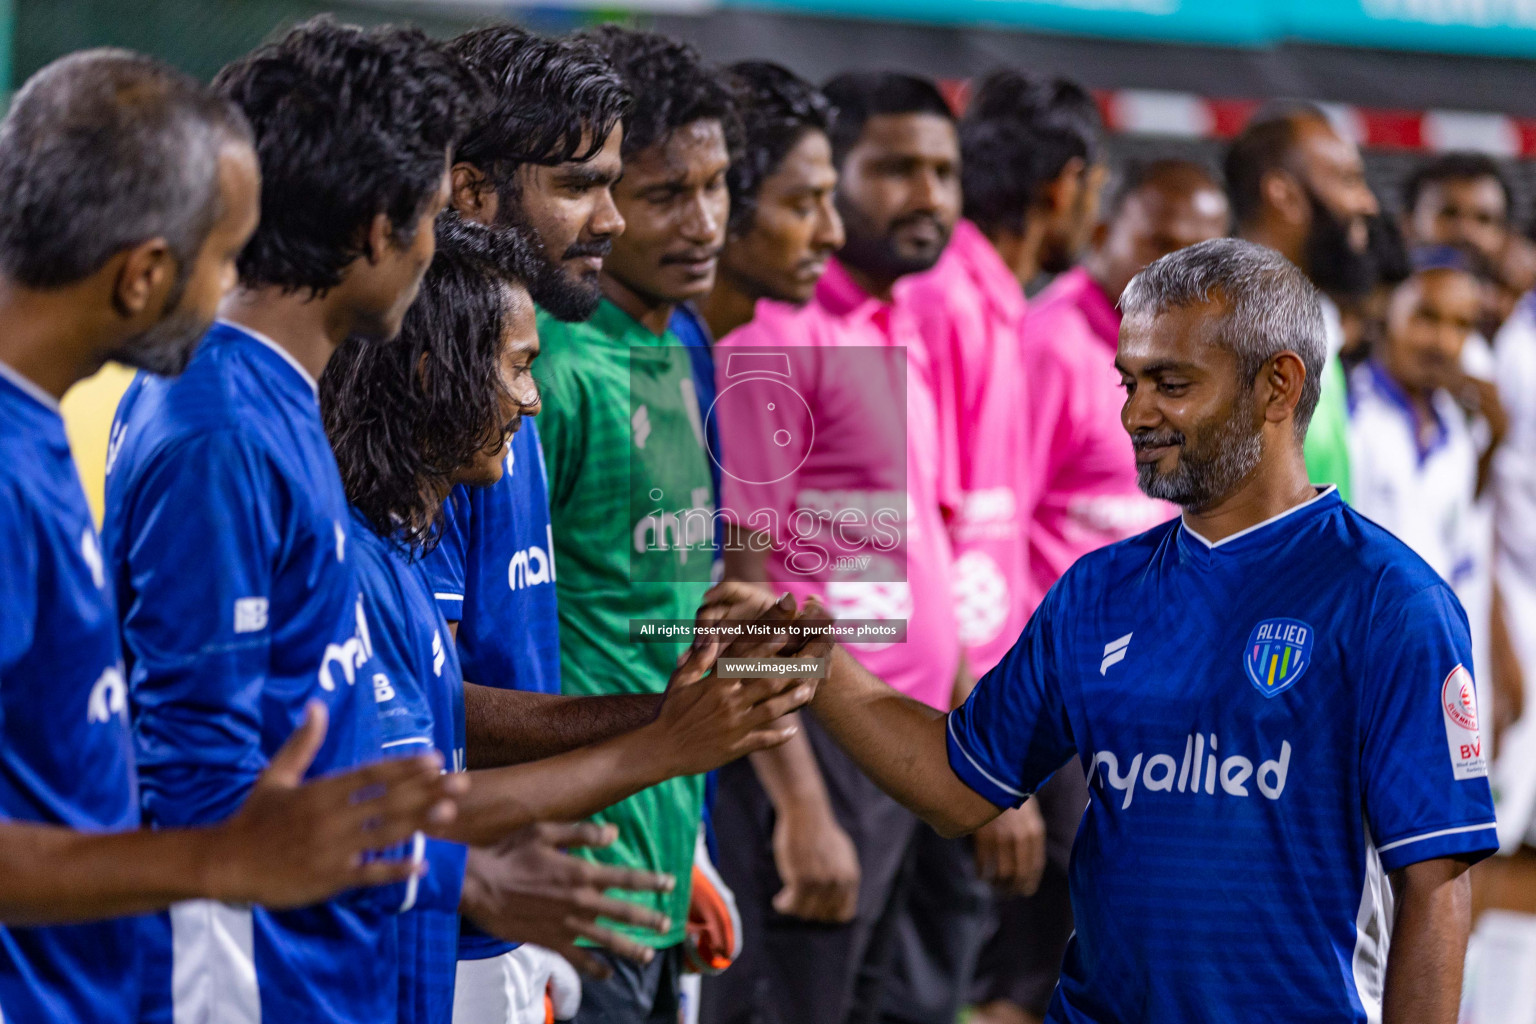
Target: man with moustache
(630, 489)
(1082, 495)
(540, 165)
(1298, 186)
(1305, 750)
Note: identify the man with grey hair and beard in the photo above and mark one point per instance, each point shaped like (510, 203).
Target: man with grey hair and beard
(1271, 697)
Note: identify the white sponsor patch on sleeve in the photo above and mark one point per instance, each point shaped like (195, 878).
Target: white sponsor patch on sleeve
(1458, 705)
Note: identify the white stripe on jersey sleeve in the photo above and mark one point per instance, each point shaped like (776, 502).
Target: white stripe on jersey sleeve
(449, 597)
(1436, 835)
(950, 725)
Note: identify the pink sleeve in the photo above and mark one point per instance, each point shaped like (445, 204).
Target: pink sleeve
(765, 429)
(1048, 417)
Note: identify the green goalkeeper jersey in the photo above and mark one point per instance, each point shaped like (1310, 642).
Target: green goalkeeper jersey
(631, 503)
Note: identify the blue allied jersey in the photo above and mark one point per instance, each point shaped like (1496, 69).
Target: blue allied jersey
(1268, 724)
(65, 751)
(420, 693)
(493, 572)
(228, 532)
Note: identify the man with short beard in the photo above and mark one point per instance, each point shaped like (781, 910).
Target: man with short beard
(131, 269)
(1298, 186)
(540, 165)
(1271, 697)
(227, 524)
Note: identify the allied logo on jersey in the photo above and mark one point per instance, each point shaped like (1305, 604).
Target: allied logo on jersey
(1458, 705)
(1278, 653)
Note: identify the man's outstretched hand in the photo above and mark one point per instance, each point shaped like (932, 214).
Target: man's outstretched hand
(294, 843)
(706, 721)
(736, 603)
(526, 889)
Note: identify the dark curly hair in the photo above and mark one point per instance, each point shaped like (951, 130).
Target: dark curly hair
(405, 416)
(777, 110)
(669, 84)
(349, 123)
(543, 94)
(1018, 133)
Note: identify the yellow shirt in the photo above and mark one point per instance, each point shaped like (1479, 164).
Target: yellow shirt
(88, 410)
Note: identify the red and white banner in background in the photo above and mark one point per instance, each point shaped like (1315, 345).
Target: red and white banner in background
(1189, 116)
(1151, 112)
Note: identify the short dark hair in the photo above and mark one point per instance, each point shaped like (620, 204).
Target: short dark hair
(101, 151)
(1018, 133)
(405, 415)
(1456, 167)
(543, 95)
(1063, 113)
(1264, 145)
(1138, 174)
(669, 85)
(777, 110)
(859, 96)
(349, 123)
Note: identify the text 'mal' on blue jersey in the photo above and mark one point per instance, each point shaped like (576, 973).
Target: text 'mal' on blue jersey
(420, 693)
(493, 572)
(228, 532)
(1268, 724)
(65, 752)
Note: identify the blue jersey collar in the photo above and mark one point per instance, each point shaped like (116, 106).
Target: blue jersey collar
(243, 332)
(29, 389)
(1262, 535)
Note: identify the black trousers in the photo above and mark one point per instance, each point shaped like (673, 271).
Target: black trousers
(943, 912)
(793, 971)
(634, 994)
(1021, 958)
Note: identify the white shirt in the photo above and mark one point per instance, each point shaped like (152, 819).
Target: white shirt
(1424, 494)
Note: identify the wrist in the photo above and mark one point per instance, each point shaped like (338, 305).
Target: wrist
(805, 810)
(473, 894)
(213, 864)
(651, 754)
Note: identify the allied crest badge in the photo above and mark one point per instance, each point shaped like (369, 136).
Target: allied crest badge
(1278, 653)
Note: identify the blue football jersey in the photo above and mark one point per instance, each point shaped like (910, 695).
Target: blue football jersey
(493, 572)
(65, 752)
(1268, 724)
(420, 694)
(228, 530)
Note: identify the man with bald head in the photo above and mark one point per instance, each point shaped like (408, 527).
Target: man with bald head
(1299, 187)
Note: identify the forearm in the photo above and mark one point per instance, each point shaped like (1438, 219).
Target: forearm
(509, 727)
(1429, 944)
(566, 787)
(900, 744)
(790, 775)
(56, 875)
